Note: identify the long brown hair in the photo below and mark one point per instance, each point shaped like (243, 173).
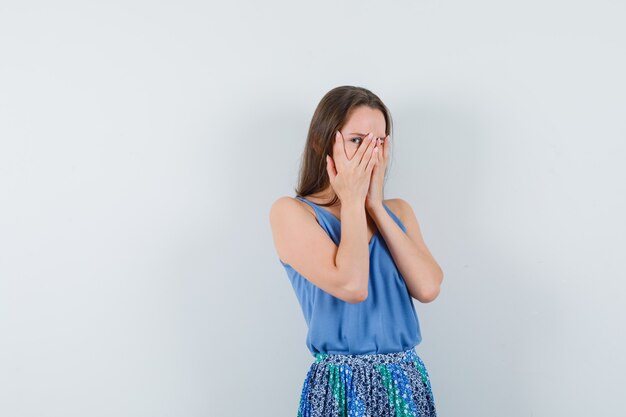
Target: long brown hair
(330, 115)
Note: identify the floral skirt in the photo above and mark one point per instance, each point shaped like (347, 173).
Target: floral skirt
(370, 385)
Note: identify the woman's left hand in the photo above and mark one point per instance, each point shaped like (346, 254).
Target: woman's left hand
(375, 192)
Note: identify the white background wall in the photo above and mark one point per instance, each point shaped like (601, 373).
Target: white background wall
(142, 144)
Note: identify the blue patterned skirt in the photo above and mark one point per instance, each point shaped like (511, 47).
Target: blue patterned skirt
(371, 385)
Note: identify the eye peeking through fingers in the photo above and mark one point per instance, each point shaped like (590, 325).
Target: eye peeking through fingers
(357, 138)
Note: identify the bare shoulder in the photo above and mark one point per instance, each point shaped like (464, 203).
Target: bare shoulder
(288, 215)
(301, 243)
(280, 203)
(287, 207)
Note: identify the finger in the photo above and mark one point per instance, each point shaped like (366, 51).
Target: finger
(330, 168)
(379, 144)
(382, 158)
(377, 147)
(387, 148)
(339, 150)
(363, 147)
(373, 160)
(367, 149)
(374, 172)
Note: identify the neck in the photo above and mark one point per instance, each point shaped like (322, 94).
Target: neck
(325, 195)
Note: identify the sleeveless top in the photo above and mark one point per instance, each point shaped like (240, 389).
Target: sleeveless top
(385, 322)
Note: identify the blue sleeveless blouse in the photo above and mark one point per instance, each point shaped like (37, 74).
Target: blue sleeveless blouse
(385, 322)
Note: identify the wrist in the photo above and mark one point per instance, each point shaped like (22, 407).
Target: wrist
(374, 207)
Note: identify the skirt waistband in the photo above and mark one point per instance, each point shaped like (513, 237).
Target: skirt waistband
(408, 355)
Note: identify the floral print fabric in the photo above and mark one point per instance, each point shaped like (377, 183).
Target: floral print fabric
(371, 385)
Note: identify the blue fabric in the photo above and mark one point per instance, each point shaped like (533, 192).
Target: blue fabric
(385, 322)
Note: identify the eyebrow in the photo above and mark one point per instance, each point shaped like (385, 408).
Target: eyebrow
(362, 134)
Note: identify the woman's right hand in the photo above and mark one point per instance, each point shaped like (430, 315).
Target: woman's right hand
(350, 178)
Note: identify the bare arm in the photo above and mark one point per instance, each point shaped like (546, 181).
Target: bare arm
(342, 271)
(422, 274)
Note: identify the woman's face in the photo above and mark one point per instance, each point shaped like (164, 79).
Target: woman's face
(362, 120)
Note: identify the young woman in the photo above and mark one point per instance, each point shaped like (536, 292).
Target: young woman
(355, 262)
